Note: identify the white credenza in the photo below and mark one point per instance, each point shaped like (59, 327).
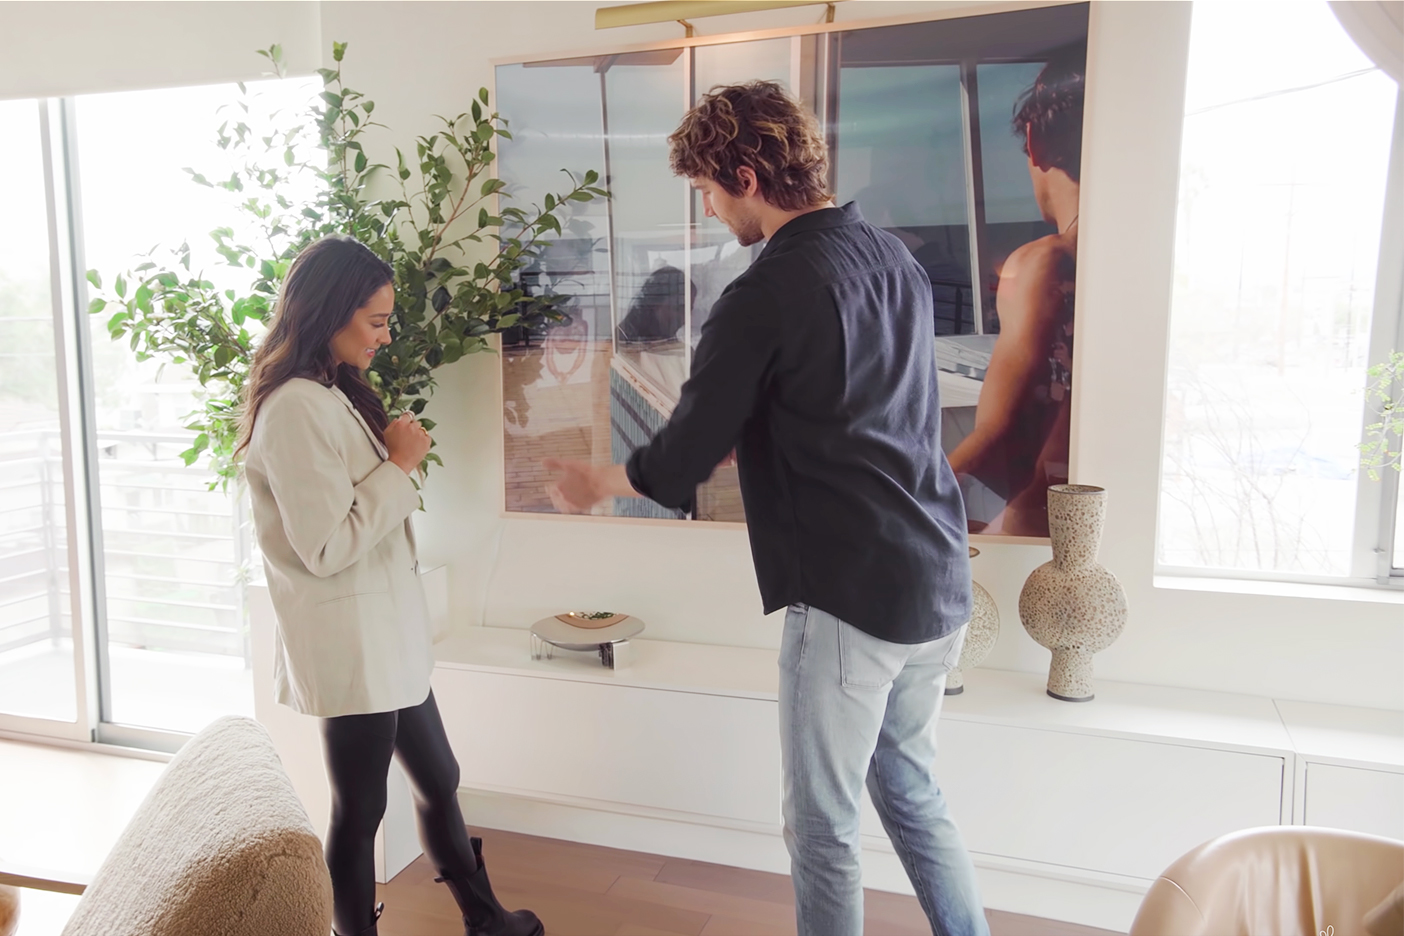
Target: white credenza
(1070, 810)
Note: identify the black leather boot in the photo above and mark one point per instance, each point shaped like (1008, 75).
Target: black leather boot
(369, 930)
(482, 914)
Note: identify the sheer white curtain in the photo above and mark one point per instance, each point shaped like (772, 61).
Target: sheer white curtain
(1377, 26)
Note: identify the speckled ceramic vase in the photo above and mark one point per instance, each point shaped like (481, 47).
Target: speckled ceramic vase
(1073, 605)
(979, 638)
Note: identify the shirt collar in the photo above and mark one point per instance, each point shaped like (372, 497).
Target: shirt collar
(817, 221)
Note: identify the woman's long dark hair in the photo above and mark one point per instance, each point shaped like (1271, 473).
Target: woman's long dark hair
(327, 283)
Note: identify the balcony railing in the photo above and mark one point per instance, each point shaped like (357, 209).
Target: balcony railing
(174, 551)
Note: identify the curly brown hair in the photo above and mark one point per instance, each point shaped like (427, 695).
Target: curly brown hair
(759, 126)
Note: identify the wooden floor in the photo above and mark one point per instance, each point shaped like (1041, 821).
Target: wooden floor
(586, 890)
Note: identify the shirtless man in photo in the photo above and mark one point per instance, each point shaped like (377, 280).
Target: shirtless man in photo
(1022, 419)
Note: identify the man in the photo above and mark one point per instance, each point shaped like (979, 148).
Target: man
(816, 366)
(1019, 445)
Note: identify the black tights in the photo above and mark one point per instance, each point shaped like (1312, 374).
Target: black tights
(358, 750)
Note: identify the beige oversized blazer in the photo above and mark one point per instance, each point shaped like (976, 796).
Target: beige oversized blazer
(332, 518)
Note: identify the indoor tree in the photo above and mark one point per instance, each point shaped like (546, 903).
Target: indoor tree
(449, 296)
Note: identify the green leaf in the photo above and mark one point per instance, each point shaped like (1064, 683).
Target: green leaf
(96, 306)
(550, 202)
(591, 177)
(483, 95)
(95, 278)
(338, 51)
(120, 287)
(361, 162)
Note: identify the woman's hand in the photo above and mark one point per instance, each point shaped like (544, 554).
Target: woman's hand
(408, 442)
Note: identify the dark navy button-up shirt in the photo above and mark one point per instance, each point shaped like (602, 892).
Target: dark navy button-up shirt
(818, 366)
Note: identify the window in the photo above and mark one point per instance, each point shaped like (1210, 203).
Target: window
(168, 554)
(1287, 145)
(37, 675)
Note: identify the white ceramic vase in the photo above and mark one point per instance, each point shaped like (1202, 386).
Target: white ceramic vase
(1073, 605)
(979, 638)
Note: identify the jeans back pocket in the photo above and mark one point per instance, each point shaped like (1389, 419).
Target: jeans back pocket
(868, 662)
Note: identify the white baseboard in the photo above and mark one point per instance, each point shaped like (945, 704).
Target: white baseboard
(1073, 895)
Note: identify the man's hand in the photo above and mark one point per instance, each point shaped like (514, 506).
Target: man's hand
(579, 485)
(574, 489)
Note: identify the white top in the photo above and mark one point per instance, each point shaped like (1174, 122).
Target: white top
(333, 521)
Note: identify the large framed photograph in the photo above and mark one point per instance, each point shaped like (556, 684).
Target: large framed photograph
(960, 136)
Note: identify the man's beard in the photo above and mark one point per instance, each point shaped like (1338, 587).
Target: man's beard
(748, 231)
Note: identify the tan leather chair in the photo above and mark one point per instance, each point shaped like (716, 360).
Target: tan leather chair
(1277, 881)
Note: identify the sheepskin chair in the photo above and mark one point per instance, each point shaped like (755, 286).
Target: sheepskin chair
(220, 847)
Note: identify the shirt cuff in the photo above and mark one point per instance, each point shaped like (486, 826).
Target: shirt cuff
(633, 468)
(390, 483)
(635, 473)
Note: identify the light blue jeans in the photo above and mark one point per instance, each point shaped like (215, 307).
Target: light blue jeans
(854, 708)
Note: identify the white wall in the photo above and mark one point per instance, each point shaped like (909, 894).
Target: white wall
(49, 49)
(694, 583)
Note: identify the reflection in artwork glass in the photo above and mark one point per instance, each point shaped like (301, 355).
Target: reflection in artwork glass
(645, 97)
(962, 137)
(901, 157)
(555, 380)
(716, 257)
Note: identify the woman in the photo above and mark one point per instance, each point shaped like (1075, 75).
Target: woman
(332, 497)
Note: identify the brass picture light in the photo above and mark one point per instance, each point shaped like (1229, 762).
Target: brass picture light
(682, 11)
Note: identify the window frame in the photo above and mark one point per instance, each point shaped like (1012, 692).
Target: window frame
(1379, 501)
(76, 378)
(1373, 565)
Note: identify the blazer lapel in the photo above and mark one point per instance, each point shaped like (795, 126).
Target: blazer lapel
(384, 453)
(346, 401)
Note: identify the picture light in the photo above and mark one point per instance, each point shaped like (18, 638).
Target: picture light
(664, 11)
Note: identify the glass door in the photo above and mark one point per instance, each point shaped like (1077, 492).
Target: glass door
(173, 548)
(42, 688)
